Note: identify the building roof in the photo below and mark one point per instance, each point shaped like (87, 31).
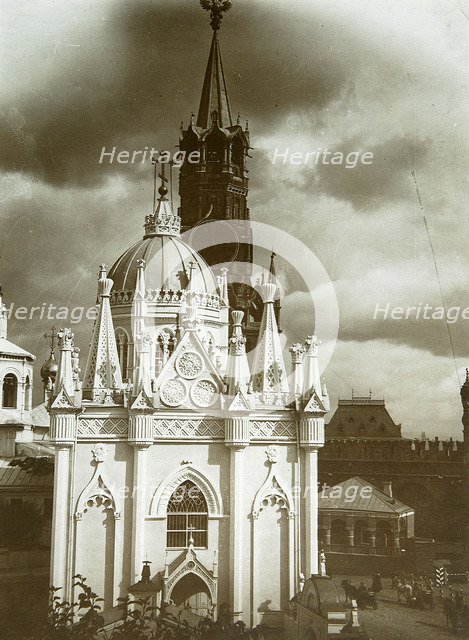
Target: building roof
(362, 417)
(356, 494)
(10, 349)
(17, 478)
(40, 416)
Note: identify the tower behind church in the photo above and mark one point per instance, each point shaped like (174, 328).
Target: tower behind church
(215, 188)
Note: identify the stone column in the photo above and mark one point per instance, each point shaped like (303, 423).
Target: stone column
(63, 430)
(311, 438)
(327, 531)
(61, 519)
(141, 438)
(311, 512)
(372, 533)
(236, 438)
(349, 523)
(395, 534)
(138, 510)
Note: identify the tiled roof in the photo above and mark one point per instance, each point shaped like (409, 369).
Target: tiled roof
(40, 416)
(363, 497)
(15, 477)
(362, 418)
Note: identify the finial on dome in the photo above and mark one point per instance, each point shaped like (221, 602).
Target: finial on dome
(162, 221)
(217, 8)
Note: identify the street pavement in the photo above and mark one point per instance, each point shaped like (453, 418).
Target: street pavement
(398, 621)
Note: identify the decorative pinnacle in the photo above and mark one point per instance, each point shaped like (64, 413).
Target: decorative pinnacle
(217, 8)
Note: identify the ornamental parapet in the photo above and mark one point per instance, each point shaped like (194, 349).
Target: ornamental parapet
(167, 296)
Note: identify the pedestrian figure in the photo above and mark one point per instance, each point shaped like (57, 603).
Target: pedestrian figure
(376, 585)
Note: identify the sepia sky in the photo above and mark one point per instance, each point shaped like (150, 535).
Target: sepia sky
(390, 78)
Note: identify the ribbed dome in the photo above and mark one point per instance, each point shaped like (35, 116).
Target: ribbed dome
(168, 265)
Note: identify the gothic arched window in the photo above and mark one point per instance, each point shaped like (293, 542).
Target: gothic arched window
(122, 342)
(10, 391)
(187, 517)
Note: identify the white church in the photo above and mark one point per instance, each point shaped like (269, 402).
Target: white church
(175, 449)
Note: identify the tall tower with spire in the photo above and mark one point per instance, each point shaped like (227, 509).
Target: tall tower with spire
(216, 187)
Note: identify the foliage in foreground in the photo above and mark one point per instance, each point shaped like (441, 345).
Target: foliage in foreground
(138, 622)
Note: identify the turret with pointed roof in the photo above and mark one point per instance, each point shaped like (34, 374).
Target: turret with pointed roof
(268, 370)
(102, 381)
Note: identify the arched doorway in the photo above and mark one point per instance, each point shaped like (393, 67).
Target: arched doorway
(191, 593)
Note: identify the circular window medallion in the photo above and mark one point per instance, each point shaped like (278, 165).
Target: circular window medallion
(189, 365)
(204, 393)
(173, 392)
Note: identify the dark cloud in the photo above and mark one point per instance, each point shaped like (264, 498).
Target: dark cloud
(370, 186)
(143, 74)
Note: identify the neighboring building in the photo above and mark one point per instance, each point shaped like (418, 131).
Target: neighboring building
(26, 481)
(173, 449)
(363, 530)
(16, 380)
(363, 440)
(465, 487)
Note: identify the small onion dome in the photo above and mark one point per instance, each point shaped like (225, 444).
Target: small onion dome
(49, 369)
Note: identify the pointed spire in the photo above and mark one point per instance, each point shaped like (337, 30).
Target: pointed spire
(273, 279)
(64, 377)
(142, 373)
(297, 354)
(272, 274)
(214, 98)
(3, 316)
(222, 281)
(237, 370)
(312, 378)
(140, 288)
(269, 371)
(103, 375)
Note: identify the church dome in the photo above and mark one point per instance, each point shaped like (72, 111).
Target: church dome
(169, 265)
